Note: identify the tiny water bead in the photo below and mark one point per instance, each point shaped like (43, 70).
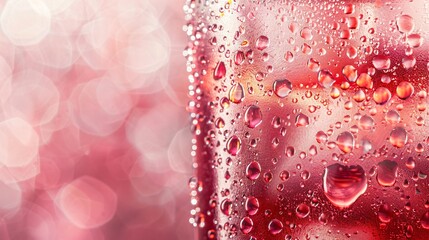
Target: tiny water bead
(253, 116)
(233, 145)
(282, 88)
(253, 170)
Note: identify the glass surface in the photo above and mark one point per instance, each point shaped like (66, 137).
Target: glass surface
(310, 119)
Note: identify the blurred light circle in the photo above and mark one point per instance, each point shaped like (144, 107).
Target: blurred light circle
(57, 6)
(87, 202)
(25, 22)
(178, 151)
(34, 98)
(19, 143)
(98, 107)
(10, 197)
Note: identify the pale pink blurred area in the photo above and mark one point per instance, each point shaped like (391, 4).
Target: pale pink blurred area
(94, 135)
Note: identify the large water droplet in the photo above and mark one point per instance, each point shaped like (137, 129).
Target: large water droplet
(365, 81)
(253, 170)
(381, 95)
(220, 71)
(262, 42)
(405, 24)
(301, 120)
(343, 185)
(325, 78)
(233, 146)
(302, 211)
(251, 205)
(424, 221)
(226, 207)
(408, 62)
(275, 226)
(381, 62)
(346, 142)
(253, 116)
(282, 88)
(236, 93)
(350, 72)
(404, 90)
(246, 225)
(387, 172)
(398, 137)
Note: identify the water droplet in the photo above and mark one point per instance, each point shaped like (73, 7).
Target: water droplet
(321, 137)
(284, 175)
(343, 185)
(352, 52)
(359, 96)
(306, 33)
(398, 137)
(236, 94)
(220, 71)
(345, 34)
(219, 123)
(302, 120)
(253, 116)
(226, 207)
(246, 225)
(408, 62)
(350, 72)
(335, 93)
(346, 142)
(385, 79)
(325, 78)
(349, 8)
(387, 172)
(381, 95)
(405, 24)
(365, 81)
(366, 122)
(290, 151)
(253, 170)
(415, 40)
(381, 62)
(306, 49)
(233, 145)
(293, 27)
(313, 65)
(282, 88)
(262, 43)
(275, 226)
(385, 213)
(302, 211)
(353, 22)
(392, 116)
(404, 90)
(424, 221)
(252, 205)
(289, 57)
(239, 58)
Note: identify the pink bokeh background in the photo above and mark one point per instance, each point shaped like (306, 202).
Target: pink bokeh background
(94, 135)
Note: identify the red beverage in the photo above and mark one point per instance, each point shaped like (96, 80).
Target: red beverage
(310, 119)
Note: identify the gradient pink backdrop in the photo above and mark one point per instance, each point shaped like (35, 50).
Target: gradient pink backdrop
(94, 136)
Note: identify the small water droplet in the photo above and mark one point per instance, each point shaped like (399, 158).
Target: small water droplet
(346, 142)
(385, 79)
(392, 116)
(275, 226)
(220, 71)
(253, 116)
(381, 95)
(239, 58)
(253, 170)
(404, 90)
(313, 65)
(233, 145)
(226, 207)
(385, 213)
(302, 120)
(353, 22)
(398, 137)
(352, 52)
(365, 81)
(366, 122)
(252, 205)
(236, 93)
(302, 211)
(415, 40)
(321, 137)
(424, 221)
(284, 175)
(350, 72)
(387, 172)
(262, 42)
(408, 62)
(282, 88)
(405, 24)
(246, 225)
(343, 185)
(381, 62)
(325, 78)
(306, 33)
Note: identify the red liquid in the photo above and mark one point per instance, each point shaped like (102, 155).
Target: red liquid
(310, 119)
